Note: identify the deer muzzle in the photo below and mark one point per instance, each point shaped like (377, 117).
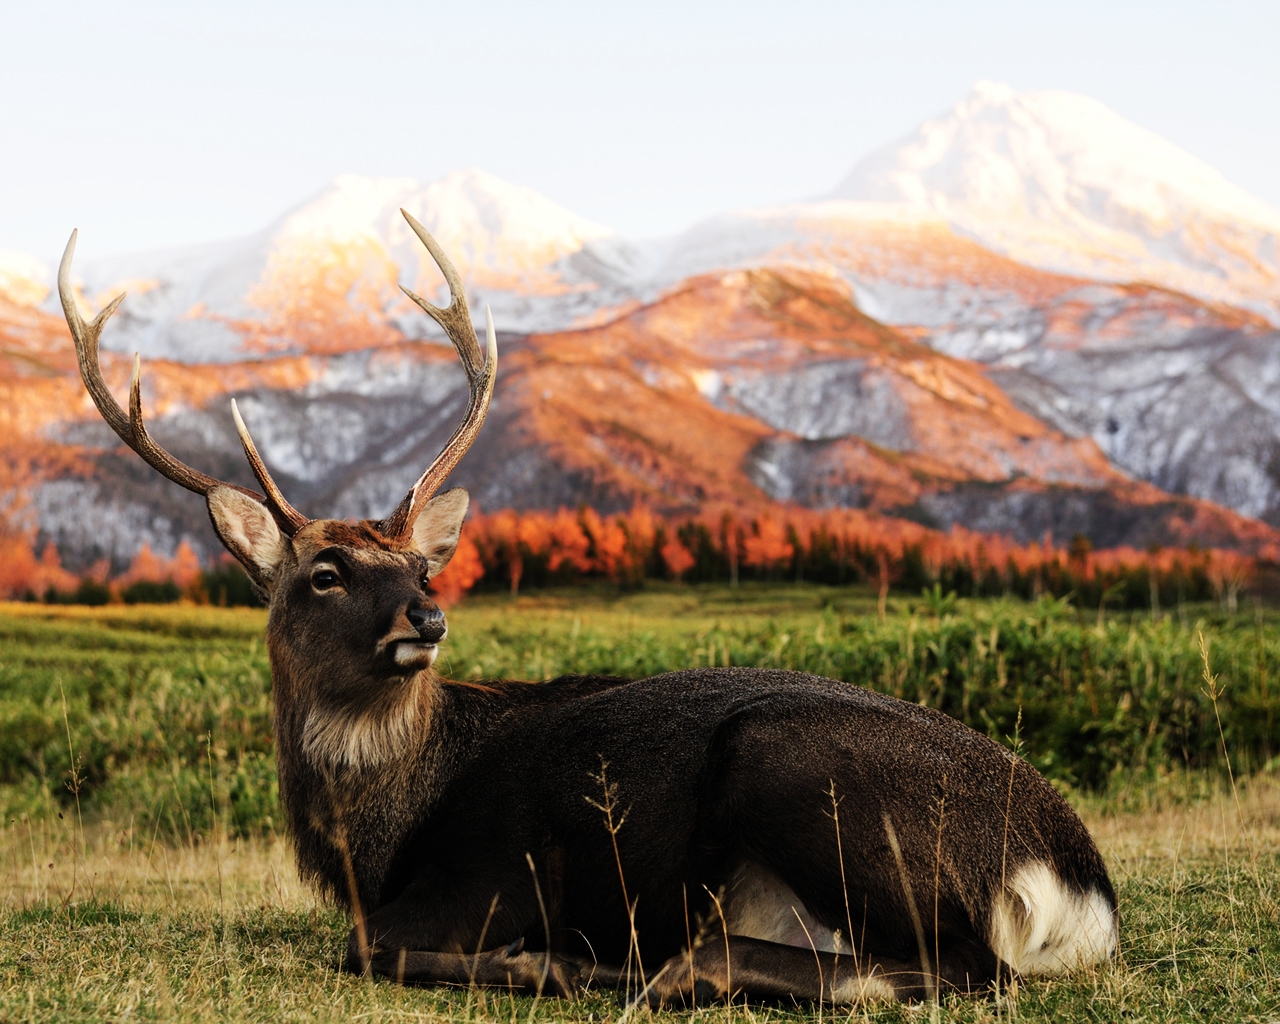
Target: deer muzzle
(418, 650)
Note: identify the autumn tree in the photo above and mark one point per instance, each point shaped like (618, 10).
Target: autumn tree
(767, 546)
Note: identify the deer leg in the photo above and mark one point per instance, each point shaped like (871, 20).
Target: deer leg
(769, 970)
(509, 967)
(429, 941)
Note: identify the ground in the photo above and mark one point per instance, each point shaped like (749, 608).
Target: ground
(114, 914)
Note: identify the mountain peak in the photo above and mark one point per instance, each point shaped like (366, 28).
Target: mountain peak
(1058, 146)
(1061, 181)
(491, 221)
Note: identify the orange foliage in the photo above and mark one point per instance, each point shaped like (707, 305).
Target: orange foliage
(1228, 573)
(183, 569)
(460, 575)
(569, 543)
(609, 544)
(676, 557)
(767, 545)
(22, 573)
(836, 545)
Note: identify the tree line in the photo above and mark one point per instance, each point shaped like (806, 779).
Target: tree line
(513, 550)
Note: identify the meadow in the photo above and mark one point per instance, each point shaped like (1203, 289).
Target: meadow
(146, 873)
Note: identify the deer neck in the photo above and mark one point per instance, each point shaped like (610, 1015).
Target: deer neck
(336, 737)
(355, 780)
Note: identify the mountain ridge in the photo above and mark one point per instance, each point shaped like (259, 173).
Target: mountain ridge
(1120, 366)
(734, 391)
(1060, 181)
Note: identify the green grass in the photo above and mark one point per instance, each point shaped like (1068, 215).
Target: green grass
(159, 701)
(118, 927)
(166, 891)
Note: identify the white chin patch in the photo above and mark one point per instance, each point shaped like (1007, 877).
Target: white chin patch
(411, 655)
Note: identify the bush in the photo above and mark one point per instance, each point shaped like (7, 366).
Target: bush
(89, 592)
(169, 709)
(151, 592)
(229, 588)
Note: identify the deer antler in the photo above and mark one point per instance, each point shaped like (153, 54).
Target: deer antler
(480, 367)
(130, 428)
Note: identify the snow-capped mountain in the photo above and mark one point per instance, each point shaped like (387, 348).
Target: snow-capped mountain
(1060, 181)
(324, 276)
(1051, 179)
(944, 238)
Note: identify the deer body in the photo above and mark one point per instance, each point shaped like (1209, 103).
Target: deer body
(698, 833)
(713, 771)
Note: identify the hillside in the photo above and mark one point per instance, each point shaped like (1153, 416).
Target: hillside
(730, 391)
(1174, 390)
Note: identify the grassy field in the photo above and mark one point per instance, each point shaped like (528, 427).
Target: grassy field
(145, 874)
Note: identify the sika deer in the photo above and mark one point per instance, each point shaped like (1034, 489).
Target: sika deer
(823, 841)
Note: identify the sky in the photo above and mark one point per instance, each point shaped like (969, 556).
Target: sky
(148, 125)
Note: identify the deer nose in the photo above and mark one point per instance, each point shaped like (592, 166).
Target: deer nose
(429, 622)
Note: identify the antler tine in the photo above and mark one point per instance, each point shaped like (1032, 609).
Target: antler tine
(481, 369)
(130, 427)
(399, 522)
(456, 319)
(275, 499)
(86, 338)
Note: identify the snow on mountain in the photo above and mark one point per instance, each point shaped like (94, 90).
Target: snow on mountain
(1048, 178)
(906, 266)
(324, 276)
(1059, 181)
(22, 278)
(945, 236)
(729, 391)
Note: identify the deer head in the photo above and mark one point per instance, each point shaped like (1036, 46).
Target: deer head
(351, 623)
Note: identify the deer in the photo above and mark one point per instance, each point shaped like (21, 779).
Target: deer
(705, 834)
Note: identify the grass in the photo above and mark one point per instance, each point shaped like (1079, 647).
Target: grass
(163, 889)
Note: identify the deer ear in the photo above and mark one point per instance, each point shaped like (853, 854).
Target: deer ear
(247, 529)
(438, 528)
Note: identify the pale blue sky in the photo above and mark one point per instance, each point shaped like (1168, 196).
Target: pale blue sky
(154, 124)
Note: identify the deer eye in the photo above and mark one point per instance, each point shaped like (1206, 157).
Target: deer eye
(425, 581)
(325, 579)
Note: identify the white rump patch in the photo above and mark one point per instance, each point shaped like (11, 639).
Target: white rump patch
(1041, 926)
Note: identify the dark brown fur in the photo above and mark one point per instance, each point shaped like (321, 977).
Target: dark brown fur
(428, 840)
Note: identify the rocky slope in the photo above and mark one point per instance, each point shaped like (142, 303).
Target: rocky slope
(732, 390)
(1174, 390)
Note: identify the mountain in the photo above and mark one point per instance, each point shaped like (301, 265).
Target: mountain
(1059, 181)
(1174, 390)
(1081, 393)
(731, 390)
(324, 276)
